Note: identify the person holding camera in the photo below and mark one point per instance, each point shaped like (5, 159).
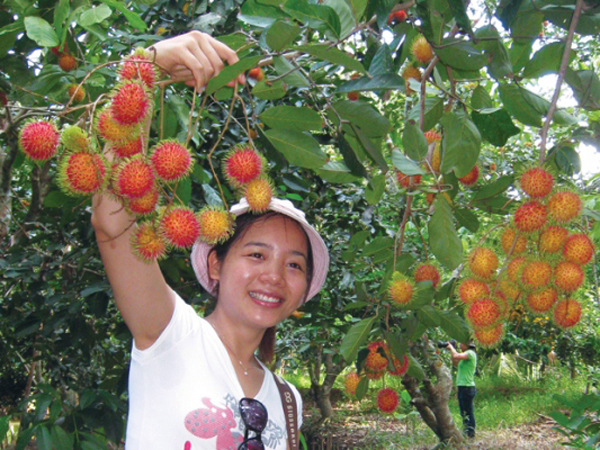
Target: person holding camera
(466, 361)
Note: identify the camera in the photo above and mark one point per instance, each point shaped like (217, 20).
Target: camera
(445, 344)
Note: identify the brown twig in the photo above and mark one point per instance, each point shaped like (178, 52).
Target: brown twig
(561, 75)
(400, 237)
(424, 78)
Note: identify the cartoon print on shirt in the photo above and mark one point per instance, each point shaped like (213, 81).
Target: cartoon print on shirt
(206, 423)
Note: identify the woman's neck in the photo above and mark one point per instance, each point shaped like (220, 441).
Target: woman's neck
(241, 342)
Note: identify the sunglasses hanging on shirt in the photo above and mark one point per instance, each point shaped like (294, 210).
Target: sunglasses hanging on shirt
(255, 416)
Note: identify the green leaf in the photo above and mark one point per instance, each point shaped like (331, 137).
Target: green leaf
(378, 244)
(461, 55)
(519, 54)
(299, 148)
(377, 83)
(454, 326)
(362, 388)
(546, 60)
(41, 32)
(315, 16)
(467, 219)
(459, 9)
(566, 158)
(345, 15)
(43, 438)
(495, 125)
(184, 191)
(497, 187)
(133, 19)
(375, 189)
(259, 15)
(461, 144)
(95, 14)
(337, 172)
(356, 337)
(61, 439)
(428, 316)
(281, 34)
(295, 78)
(499, 64)
(588, 24)
(443, 239)
(405, 165)
(414, 368)
(333, 55)
(586, 88)
(350, 157)
(414, 142)
(362, 115)
(61, 13)
(518, 106)
(434, 109)
(230, 72)
(382, 62)
(290, 117)
(542, 105)
(358, 8)
(269, 91)
(481, 98)
(527, 25)
(14, 27)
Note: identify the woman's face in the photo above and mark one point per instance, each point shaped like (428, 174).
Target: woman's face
(262, 280)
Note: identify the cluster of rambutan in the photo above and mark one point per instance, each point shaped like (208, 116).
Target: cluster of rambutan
(378, 362)
(401, 288)
(543, 266)
(422, 53)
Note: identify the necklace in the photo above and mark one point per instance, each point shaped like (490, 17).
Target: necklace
(230, 349)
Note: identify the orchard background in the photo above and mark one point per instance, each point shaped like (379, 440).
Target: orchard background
(510, 85)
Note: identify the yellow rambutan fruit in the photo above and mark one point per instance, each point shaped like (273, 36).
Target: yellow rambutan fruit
(536, 182)
(535, 274)
(127, 147)
(564, 206)
(483, 262)
(421, 50)
(484, 312)
(401, 289)
(471, 289)
(75, 139)
(110, 130)
(216, 224)
(76, 92)
(552, 239)
(568, 276)
(259, 193)
(148, 243)
(410, 72)
(508, 239)
(540, 302)
(567, 313)
(579, 249)
(489, 337)
(351, 383)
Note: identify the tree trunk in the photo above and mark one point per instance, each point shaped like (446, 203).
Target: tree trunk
(8, 155)
(322, 392)
(432, 401)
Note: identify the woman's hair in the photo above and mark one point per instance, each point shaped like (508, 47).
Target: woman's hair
(243, 222)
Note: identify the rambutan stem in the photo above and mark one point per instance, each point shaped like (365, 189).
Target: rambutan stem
(187, 143)
(188, 137)
(426, 75)
(400, 235)
(561, 75)
(162, 112)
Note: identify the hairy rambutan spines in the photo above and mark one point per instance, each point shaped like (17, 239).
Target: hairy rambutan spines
(421, 50)
(536, 182)
(172, 161)
(509, 289)
(133, 178)
(375, 361)
(76, 92)
(470, 178)
(110, 130)
(514, 268)
(180, 226)
(216, 224)
(75, 139)
(351, 383)
(579, 249)
(128, 147)
(400, 366)
(552, 239)
(408, 181)
(387, 400)
(401, 289)
(484, 312)
(410, 72)
(535, 274)
(530, 217)
(483, 262)
(39, 140)
(259, 193)
(130, 103)
(432, 136)
(138, 66)
(148, 243)
(567, 313)
(542, 301)
(568, 276)
(242, 165)
(145, 204)
(471, 289)
(426, 272)
(489, 337)
(564, 206)
(82, 173)
(508, 239)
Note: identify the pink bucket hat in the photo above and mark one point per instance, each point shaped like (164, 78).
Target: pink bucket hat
(320, 255)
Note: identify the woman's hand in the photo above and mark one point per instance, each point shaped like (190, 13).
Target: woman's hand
(194, 58)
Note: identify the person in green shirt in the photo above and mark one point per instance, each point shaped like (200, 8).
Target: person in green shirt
(465, 382)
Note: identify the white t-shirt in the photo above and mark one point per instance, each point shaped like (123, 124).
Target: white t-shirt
(184, 392)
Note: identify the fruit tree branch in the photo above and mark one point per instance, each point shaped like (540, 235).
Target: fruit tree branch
(561, 75)
(400, 236)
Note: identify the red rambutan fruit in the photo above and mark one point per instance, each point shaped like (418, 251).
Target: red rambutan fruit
(110, 130)
(76, 92)
(514, 268)
(75, 139)
(171, 160)
(408, 181)
(530, 217)
(400, 366)
(39, 140)
(180, 226)
(145, 204)
(133, 178)
(470, 178)
(508, 239)
(401, 289)
(351, 383)
(82, 173)
(579, 249)
(128, 147)
(542, 301)
(216, 224)
(137, 66)
(432, 137)
(387, 400)
(509, 289)
(375, 360)
(259, 193)
(535, 274)
(537, 182)
(148, 243)
(567, 313)
(242, 165)
(568, 276)
(397, 16)
(130, 103)
(426, 272)
(67, 62)
(373, 374)
(564, 206)
(471, 289)
(489, 337)
(483, 262)
(553, 239)
(484, 312)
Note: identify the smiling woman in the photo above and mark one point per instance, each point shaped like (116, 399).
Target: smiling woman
(195, 383)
